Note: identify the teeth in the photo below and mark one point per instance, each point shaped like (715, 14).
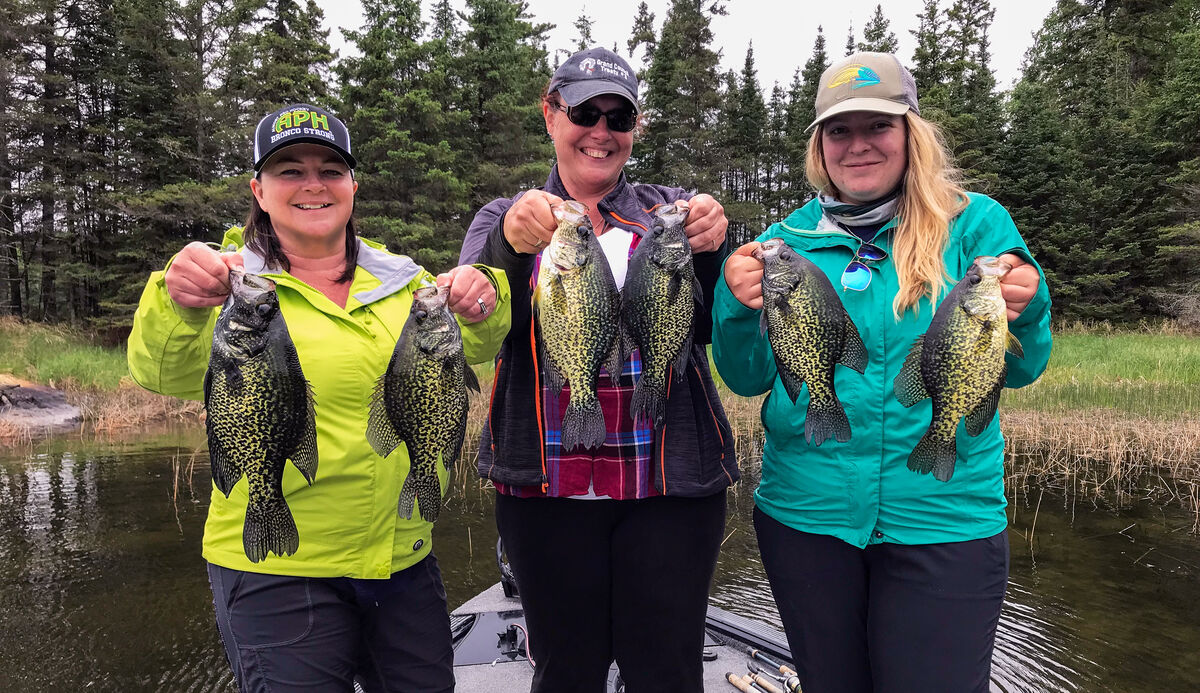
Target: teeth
(313, 206)
(595, 153)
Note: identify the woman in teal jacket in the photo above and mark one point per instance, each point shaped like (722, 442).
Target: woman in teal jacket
(885, 579)
(362, 597)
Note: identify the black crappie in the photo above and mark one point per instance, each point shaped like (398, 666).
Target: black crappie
(577, 307)
(421, 400)
(959, 364)
(810, 333)
(260, 413)
(658, 307)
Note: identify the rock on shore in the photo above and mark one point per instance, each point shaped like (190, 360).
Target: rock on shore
(28, 406)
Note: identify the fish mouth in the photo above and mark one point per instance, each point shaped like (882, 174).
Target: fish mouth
(992, 266)
(767, 249)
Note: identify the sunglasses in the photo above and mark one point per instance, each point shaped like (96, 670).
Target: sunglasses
(585, 115)
(857, 275)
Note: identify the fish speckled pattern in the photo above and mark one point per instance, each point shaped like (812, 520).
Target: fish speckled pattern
(422, 400)
(260, 413)
(810, 333)
(577, 307)
(959, 364)
(658, 307)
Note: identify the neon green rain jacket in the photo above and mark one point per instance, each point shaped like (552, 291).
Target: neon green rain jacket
(347, 519)
(862, 491)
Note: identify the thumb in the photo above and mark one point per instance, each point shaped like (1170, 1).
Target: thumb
(233, 260)
(747, 249)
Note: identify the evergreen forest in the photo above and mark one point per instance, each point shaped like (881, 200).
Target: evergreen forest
(126, 129)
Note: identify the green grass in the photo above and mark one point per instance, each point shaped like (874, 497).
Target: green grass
(59, 357)
(1142, 373)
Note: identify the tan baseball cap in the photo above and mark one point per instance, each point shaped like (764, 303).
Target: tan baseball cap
(875, 82)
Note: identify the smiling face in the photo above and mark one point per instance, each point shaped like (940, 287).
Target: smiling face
(309, 193)
(589, 159)
(865, 154)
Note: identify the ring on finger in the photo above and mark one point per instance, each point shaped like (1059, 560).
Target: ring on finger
(537, 243)
(483, 309)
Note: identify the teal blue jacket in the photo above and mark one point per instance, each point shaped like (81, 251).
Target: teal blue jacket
(862, 491)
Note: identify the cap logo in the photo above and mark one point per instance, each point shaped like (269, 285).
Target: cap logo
(588, 65)
(301, 122)
(857, 76)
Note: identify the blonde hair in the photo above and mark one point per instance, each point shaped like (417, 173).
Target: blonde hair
(932, 197)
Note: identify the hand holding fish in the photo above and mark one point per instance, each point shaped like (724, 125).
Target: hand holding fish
(471, 294)
(199, 276)
(530, 223)
(706, 223)
(1019, 285)
(743, 274)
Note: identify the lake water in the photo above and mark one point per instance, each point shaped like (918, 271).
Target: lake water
(104, 588)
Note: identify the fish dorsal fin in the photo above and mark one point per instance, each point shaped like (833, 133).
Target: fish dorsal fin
(854, 352)
(381, 433)
(983, 413)
(909, 385)
(469, 378)
(1013, 346)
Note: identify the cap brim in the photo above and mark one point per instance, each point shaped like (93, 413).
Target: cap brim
(577, 93)
(349, 158)
(862, 104)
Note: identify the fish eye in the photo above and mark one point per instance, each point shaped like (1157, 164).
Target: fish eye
(421, 314)
(264, 309)
(975, 278)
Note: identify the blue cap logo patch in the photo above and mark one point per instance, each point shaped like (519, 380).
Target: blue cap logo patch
(857, 76)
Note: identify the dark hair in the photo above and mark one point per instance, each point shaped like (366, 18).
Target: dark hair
(259, 235)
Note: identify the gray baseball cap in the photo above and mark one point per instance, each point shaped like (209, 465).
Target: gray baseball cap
(594, 72)
(874, 82)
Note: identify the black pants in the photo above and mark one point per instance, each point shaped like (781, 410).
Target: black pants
(888, 617)
(285, 633)
(603, 580)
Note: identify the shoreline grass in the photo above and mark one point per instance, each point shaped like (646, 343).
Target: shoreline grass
(1112, 419)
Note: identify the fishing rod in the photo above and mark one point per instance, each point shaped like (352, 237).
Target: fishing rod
(790, 681)
(757, 675)
(744, 684)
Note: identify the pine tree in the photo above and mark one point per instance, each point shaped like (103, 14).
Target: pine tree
(743, 121)
(583, 24)
(930, 56)
(877, 34)
(682, 101)
(504, 68)
(642, 34)
(851, 46)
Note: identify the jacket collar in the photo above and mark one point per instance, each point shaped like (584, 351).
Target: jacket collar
(394, 272)
(621, 206)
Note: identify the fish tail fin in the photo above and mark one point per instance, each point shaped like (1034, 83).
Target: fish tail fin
(269, 528)
(826, 419)
(648, 399)
(583, 424)
(934, 454)
(425, 489)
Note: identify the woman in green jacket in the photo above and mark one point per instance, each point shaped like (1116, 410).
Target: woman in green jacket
(886, 579)
(362, 597)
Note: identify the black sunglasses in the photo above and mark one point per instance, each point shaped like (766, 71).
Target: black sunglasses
(585, 115)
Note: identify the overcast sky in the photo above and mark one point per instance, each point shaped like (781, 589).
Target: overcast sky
(783, 31)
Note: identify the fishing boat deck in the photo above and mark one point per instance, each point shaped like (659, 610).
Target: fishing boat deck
(502, 667)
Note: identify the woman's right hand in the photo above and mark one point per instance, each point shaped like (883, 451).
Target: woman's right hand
(743, 275)
(530, 222)
(199, 276)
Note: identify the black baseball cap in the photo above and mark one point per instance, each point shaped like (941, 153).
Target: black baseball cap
(298, 123)
(594, 72)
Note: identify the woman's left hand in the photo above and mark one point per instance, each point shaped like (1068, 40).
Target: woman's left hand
(471, 295)
(706, 223)
(1019, 285)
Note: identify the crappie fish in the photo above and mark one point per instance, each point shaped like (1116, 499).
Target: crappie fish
(421, 400)
(959, 364)
(577, 308)
(810, 333)
(658, 309)
(260, 413)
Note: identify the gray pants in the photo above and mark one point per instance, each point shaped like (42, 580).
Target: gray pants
(285, 633)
